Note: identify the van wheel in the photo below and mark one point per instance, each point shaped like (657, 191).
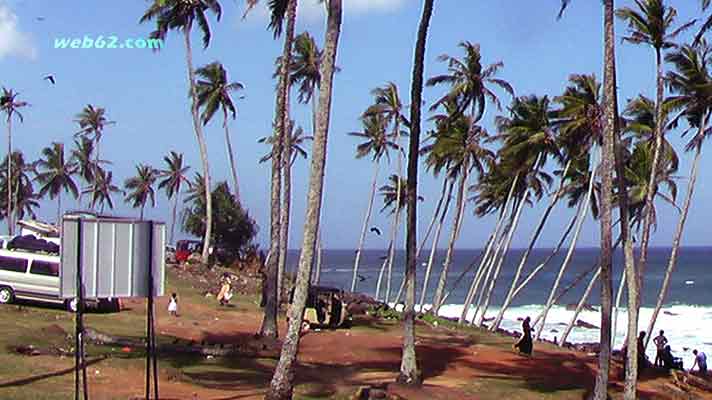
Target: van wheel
(71, 305)
(6, 295)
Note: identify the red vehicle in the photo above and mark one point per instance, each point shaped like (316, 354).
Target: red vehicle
(184, 248)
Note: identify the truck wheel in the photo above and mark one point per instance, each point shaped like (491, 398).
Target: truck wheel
(7, 295)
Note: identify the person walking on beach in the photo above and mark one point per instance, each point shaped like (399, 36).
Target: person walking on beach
(173, 305)
(660, 343)
(525, 343)
(700, 362)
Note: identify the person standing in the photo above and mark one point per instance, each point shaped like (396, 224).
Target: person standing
(700, 362)
(660, 343)
(525, 343)
(173, 305)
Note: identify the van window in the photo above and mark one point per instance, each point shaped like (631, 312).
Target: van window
(13, 264)
(44, 268)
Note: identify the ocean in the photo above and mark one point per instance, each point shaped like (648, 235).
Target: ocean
(686, 316)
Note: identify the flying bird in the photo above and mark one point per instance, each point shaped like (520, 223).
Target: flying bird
(361, 278)
(40, 18)
(49, 78)
(374, 229)
(384, 257)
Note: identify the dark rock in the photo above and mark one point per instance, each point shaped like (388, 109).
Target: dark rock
(554, 331)
(584, 324)
(670, 313)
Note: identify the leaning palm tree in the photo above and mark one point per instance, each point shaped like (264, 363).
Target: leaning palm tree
(608, 147)
(180, 15)
(56, 175)
(394, 203)
(140, 188)
(409, 372)
(282, 383)
(460, 145)
(387, 103)
(102, 190)
(691, 83)
(376, 145)
(10, 105)
(214, 93)
(173, 178)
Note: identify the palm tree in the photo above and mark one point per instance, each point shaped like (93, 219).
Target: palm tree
(173, 178)
(691, 81)
(280, 10)
(180, 15)
(470, 82)
(608, 149)
(214, 92)
(394, 202)
(377, 143)
(409, 372)
(102, 190)
(460, 144)
(56, 175)
(10, 105)
(87, 168)
(652, 24)
(282, 382)
(388, 104)
(24, 198)
(92, 121)
(140, 187)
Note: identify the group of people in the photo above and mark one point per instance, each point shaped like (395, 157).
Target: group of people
(663, 359)
(223, 297)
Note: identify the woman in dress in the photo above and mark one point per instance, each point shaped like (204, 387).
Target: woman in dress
(525, 343)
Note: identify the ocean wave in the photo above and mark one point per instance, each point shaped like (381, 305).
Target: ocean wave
(683, 324)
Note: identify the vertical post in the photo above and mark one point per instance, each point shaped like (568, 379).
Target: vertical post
(151, 361)
(77, 325)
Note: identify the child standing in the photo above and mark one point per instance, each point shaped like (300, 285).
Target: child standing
(173, 306)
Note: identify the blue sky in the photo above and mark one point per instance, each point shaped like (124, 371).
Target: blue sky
(146, 94)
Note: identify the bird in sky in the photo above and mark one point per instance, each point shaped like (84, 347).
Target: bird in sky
(374, 229)
(49, 78)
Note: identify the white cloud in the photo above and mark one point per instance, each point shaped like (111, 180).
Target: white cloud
(312, 10)
(13, 42)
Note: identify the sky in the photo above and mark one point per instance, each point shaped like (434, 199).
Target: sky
(145, 93)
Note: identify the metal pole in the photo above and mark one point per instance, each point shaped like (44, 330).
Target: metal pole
(77, 326)
(153, 311)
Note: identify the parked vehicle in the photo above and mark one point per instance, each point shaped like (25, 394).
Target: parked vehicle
(325, 308)
(184, 248)
(34, 276)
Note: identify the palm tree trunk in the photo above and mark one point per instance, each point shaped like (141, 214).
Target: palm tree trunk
(510, 235)
(364, 229)
(676, 242)
(434, 246)
(392, 248)
(140, 215)
(59, 209)
(488, 272)
(616, 306)
(525, 256)
(410, 374)
(269, 321)
(567, 259)
(604, 356)
(282, 382)
(201, 145)
(484, 263)
(231, 157)
(317, 272)
(433, 219)
(455, 232)
(10, 225)
(579, 307)
(285, 211)
(382, 271)
(173, 217)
